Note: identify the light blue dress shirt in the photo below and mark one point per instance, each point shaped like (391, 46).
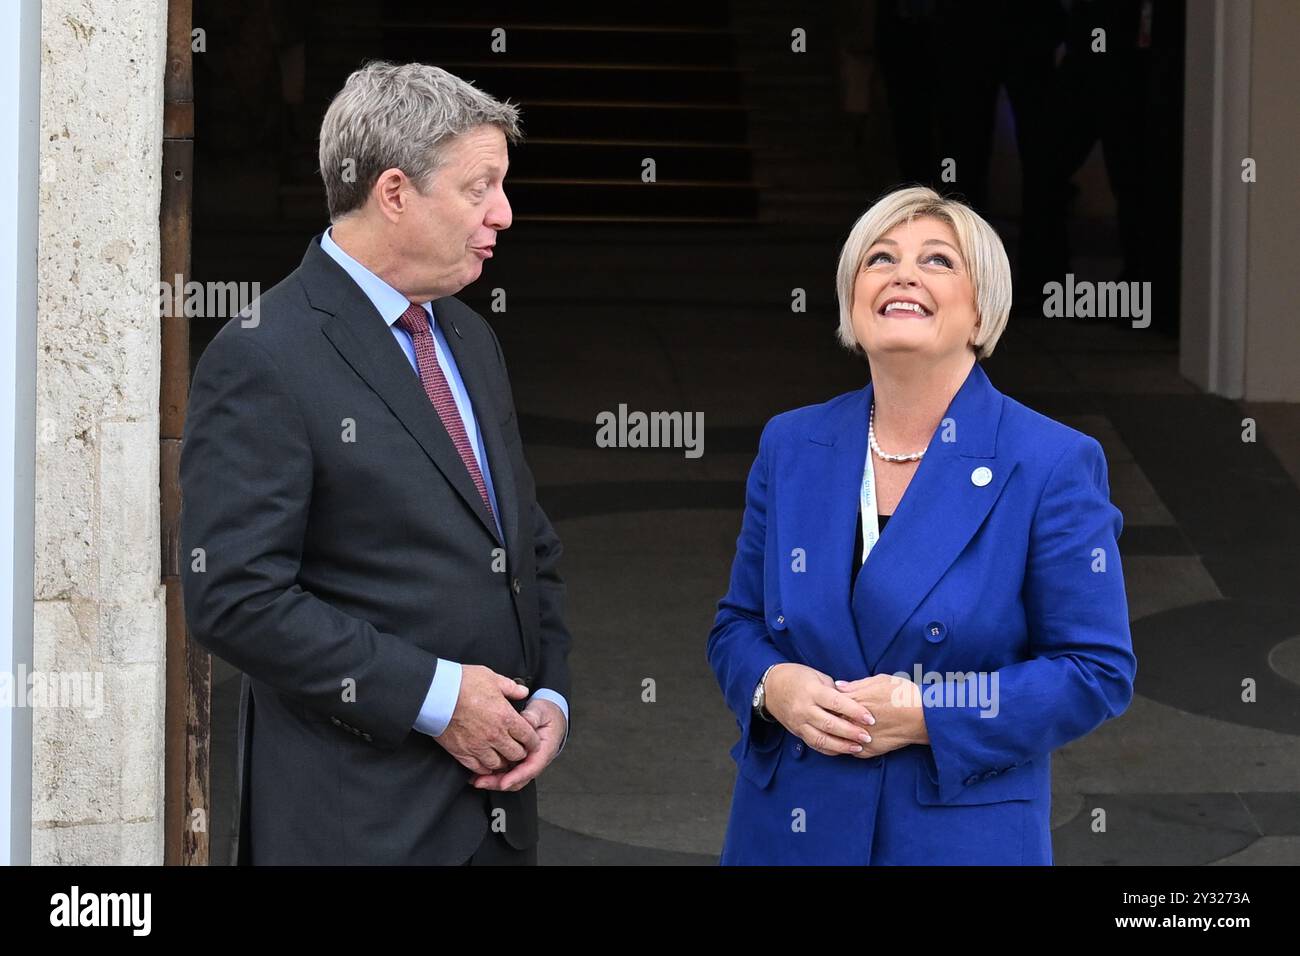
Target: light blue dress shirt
(440, 702)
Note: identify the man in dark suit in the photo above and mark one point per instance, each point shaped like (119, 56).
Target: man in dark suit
(363, 534)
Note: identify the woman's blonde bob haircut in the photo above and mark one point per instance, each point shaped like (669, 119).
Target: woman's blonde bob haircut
(978, 243)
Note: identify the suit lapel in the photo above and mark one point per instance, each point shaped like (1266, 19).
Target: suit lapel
(936, 518)
(366, 343)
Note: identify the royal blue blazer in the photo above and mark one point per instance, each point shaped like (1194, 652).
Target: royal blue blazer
(1011, 577)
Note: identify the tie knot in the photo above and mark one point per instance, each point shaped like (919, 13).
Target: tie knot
(414, 319)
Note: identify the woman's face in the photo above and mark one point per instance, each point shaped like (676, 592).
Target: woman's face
(914, 293)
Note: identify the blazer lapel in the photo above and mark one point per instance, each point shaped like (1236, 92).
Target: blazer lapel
(489, 427)
(833, 461)
(366, 343)
(938, 515)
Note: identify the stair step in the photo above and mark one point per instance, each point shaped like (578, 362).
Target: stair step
(421, 42)
(593, 159)
(700, 13)
(622, 81)
(640, 199)
(672, 122)
(580, 200)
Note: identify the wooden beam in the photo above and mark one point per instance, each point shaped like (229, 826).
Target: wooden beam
(187, 800)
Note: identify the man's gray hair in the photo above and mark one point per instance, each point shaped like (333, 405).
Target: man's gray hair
(399, 116)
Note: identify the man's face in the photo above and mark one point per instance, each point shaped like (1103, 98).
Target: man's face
(454, 223)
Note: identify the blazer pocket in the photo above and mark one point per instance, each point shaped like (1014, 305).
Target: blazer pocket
(757, 764)
(1018, 783)
(301, 711)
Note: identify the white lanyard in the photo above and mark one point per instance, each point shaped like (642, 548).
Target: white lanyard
(870, 520)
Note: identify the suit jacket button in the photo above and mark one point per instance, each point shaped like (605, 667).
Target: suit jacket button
(514, 585)
(935, 632)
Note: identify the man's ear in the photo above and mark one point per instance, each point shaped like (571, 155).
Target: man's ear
(387, 193)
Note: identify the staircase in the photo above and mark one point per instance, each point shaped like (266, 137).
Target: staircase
(755, 160)
(599, 95)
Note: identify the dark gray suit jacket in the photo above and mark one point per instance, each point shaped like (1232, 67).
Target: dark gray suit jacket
(330, 564)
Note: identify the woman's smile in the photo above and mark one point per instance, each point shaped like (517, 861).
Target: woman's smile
(904, 307)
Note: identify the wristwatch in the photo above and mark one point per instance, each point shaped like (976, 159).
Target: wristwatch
(760, 696)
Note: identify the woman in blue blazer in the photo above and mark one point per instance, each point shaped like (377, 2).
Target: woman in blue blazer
(911, 631)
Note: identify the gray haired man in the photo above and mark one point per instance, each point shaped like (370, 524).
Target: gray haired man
(376, 561)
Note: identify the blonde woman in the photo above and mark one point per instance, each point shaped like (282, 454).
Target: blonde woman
(926, 598)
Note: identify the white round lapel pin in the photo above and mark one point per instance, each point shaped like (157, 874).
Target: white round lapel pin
(980, 477)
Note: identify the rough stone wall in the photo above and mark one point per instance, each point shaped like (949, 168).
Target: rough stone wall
(98, 778)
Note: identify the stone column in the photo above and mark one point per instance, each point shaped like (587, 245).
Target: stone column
(98, 777)
(1272, 345)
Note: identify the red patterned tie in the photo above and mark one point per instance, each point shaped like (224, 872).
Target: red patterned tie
(416, 321)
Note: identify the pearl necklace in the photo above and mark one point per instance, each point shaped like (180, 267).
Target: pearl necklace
(871, 439)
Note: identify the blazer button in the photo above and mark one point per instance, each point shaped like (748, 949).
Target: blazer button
(798, 746)
(935, 632)
(514, 585)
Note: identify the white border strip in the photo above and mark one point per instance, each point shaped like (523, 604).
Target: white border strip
(20, 76)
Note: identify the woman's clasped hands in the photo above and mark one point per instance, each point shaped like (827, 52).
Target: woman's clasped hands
(863, 718)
